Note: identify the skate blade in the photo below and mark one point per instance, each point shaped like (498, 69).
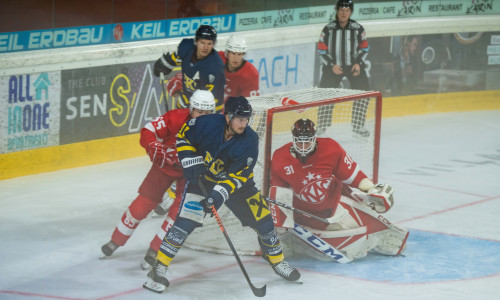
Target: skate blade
(154, 286)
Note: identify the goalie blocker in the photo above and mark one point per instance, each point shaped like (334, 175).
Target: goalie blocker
(369, 230)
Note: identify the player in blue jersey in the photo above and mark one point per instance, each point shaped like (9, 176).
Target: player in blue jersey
(202, 67)
(220, 152)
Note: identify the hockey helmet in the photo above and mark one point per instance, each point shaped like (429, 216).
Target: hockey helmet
(202, 100)
(345, 3)
(238, 107)
(206, 32)
(237, 44)
(304, 138)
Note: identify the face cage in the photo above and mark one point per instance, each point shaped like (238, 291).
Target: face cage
(302, 139)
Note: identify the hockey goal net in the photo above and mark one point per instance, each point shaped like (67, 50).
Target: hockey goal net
(351, 117)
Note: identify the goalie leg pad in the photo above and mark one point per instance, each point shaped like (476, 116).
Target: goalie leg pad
(392, 241)
(282, 217)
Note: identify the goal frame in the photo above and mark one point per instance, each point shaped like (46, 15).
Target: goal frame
(278, 109)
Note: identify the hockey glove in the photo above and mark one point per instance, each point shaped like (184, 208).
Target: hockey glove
(193, 167)
(157, 154)
(215, 198)
(381, 197)
(174, 85)
(162, 65)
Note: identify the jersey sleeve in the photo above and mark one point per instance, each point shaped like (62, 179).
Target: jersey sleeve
(322, 48)
(277, 162)
(363, 47)
(186, 139)
(345, 169)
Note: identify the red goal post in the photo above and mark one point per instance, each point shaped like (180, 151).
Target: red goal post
(335, 113)
(366, 151)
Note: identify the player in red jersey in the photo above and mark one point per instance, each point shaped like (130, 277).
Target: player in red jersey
(242, 78)
(316, 175)
(158, 138)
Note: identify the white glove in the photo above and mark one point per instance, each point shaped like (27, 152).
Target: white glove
(381, 197)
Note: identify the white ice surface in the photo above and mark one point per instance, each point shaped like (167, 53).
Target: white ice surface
(445, 169)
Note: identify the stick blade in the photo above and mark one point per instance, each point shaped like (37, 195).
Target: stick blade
(259, 292)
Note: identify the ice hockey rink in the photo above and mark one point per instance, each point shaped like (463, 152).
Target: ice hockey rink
(445, 169)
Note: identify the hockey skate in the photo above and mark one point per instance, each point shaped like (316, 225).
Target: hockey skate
(284, 270)
(149, 260)
(108, 249)
(157, 278)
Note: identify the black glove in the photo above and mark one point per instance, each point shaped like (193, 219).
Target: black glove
(162, 66)
(193, 167)
(215, 199)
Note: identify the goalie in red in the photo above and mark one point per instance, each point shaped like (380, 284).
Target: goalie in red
(318, 178)
(158, 137)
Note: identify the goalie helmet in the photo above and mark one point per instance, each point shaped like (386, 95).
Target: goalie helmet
(202, 100)
(304, 138)
(238, 107)
(206, 32)
(345, 3)
(236, 44)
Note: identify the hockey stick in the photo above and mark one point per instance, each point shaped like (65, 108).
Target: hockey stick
(297, 210)
(259, 292)
(162, 81)
(310, 238)
(319, 244)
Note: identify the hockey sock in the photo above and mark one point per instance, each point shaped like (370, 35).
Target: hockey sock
(174, 239)
(271, 247)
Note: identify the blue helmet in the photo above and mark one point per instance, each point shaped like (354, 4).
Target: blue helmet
(238, 107)
(206, 32)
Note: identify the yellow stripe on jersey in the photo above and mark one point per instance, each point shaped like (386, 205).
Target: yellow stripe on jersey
(230, 183)
(240, 178)
(186, 148)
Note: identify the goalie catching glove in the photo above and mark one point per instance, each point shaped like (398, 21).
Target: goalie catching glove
(161, 155)
(380, 197)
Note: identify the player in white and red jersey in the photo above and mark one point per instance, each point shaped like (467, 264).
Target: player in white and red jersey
(312, 174)
(158, 137)
(242, 78)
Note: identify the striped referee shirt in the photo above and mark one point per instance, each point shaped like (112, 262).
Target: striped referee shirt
(343, 46)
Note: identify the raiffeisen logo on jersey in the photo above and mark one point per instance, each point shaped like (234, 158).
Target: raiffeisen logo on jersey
(187, 27)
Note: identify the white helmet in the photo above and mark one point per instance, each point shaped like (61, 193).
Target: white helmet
(202, 100)
(237, 44)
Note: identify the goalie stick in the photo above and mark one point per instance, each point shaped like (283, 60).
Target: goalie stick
(311, 239)
(297, 210)
(259, 292)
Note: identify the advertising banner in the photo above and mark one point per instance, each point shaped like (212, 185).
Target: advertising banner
(29, 111)
(108, 101)
(284, 68)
